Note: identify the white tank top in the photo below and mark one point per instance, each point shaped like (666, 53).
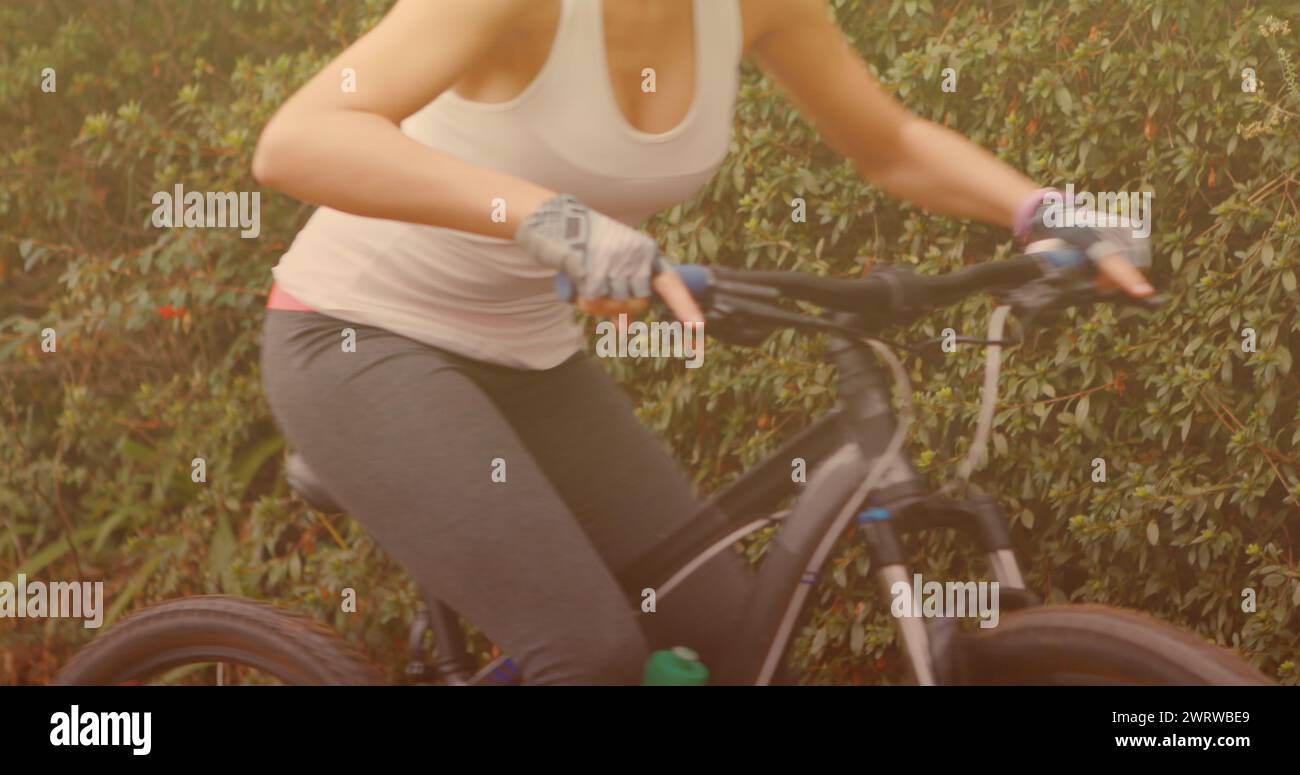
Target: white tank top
(483, 297)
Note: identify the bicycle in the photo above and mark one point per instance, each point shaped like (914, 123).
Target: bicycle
(861, 480)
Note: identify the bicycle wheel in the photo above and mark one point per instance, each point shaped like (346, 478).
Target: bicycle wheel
(222, 630)
(1091, 644)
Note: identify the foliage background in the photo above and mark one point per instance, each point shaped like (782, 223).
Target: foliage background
(157, 330)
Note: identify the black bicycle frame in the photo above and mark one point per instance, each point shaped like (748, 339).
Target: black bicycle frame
(840, 450)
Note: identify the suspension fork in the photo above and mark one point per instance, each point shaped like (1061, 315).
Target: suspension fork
(980, 517)
(886, 552)
(931, 651)
(864, 394)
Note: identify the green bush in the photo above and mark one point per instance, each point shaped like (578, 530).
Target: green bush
(157, 330)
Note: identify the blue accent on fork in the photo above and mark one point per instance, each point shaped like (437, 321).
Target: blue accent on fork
(874, 515)
(506, 672)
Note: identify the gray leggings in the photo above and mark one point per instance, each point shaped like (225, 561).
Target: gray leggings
(405, 436)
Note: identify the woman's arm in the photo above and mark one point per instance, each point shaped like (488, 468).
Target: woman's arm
(346, 151)
(798, 45)
(908, 156)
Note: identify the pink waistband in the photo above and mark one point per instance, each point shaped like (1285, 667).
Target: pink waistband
(280, 299)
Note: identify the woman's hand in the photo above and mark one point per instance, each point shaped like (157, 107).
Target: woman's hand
(1117, 271)
(669, 287)
(1118, 255)
(613, 266)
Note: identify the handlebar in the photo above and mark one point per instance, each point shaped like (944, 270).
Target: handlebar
(1037, 281)
(853, 295)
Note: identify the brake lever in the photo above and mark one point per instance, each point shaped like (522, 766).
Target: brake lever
(1043, 300)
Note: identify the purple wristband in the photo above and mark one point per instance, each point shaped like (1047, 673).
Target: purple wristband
(1020, 225)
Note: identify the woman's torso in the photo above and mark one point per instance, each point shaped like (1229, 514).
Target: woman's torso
(569, 129)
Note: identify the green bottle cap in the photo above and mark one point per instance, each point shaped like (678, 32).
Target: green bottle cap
(679, 666)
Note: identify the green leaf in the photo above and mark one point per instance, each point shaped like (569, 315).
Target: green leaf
(858, 638)
(251, 461)
(1153, 532)
(31, 258)
(840, 576)
(819, 642)
(222, 548)
(1064, 100)
(51, 552)
(709, 243)
(134, 450)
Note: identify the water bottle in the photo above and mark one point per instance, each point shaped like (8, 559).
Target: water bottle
(678, 666)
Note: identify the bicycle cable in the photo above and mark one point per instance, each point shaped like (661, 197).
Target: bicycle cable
(988, 402)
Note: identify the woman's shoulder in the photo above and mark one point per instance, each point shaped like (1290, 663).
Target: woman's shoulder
(760, 17)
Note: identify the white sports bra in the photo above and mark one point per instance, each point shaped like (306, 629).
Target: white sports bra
(483, 297)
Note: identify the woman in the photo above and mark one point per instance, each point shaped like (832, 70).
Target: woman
(415, 354)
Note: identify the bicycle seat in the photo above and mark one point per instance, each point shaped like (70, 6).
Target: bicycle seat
(308, 486)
